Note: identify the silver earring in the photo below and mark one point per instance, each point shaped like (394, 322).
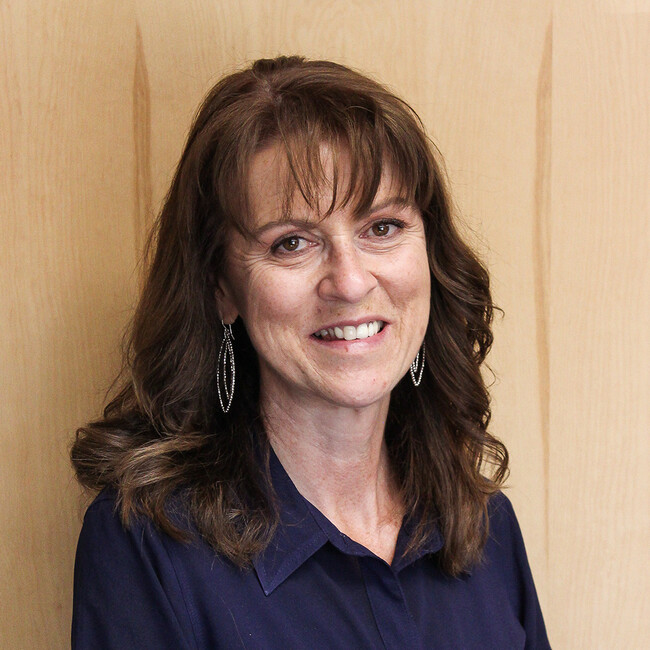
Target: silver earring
(226, 369)
(416, 373)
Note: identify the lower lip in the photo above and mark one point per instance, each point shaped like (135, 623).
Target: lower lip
(355, 344)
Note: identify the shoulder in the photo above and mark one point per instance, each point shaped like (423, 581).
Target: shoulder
(105, 531)
(104, 537)
(505, 552)
(107, 539)
(111, 542)
(506, 560)
(103, 517)
(104, 504)
(503, 524)
(126, 590)
(499, 504)
(105, 509)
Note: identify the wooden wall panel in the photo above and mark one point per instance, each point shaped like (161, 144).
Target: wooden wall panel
(66, 204)
(600, 319)
(541, 112)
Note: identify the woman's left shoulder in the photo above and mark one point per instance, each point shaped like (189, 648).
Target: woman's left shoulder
(500, 509)
(506, 560)
(504, 533)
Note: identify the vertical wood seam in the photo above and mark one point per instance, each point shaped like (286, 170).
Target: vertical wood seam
(142, 148)
(541, 255)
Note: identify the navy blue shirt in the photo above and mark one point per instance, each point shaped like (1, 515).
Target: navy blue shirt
(312, 588)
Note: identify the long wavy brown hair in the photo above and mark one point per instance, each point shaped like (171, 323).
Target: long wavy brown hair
(164, 434)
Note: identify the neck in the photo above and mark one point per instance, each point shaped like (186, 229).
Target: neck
(337, 459)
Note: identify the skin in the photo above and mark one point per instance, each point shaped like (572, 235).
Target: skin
(325, 402)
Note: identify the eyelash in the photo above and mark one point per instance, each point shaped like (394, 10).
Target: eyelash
(275, 248)
(277, 245)
(398, 223)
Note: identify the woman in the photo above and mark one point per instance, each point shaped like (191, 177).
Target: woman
(295, 457)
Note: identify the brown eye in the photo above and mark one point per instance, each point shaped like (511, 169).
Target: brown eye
(381, 229)
(291, 243)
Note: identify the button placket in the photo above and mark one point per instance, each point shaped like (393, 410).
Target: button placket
(392, 616)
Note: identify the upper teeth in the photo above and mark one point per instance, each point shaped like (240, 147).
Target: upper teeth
(350, 332)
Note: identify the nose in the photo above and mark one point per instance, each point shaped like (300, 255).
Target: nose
(347, 276)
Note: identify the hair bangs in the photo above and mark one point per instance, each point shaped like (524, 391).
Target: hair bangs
(331, 160)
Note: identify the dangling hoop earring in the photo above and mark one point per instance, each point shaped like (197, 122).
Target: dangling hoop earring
(226, 384)
(415, 371)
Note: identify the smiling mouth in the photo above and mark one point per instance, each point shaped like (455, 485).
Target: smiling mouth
(350, 332)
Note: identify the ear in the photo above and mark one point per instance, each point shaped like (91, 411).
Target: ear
(226, 306)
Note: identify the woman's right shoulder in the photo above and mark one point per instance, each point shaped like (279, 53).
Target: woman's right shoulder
(124, 577)
(103, 527)
(105, 499)
(103, 521)
(103, 508)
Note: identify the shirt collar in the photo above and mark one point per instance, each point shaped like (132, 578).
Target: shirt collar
(297, 536)
(303, 529)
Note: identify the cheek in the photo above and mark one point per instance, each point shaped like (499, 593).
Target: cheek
(272, 305)
(420, 298)
(425, 293)
(411, 279)
(413, 294)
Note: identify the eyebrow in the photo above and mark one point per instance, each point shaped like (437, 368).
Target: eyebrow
(306, 223)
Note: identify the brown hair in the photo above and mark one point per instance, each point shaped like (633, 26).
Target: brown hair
(164, 433)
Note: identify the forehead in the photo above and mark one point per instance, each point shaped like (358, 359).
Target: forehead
(279, 189)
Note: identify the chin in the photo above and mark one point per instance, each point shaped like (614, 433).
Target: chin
(357, 399)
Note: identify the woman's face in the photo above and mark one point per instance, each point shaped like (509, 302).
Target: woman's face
(336, 308)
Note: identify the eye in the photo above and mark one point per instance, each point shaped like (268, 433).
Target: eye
(381, 229)
(289, 244)
(385, 227)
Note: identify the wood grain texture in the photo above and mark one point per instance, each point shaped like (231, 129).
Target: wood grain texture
(66, 287)
(600, 318)
(541, 257)
(143, 208)
(541, 111)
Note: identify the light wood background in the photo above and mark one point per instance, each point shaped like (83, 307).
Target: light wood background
(542, 112)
